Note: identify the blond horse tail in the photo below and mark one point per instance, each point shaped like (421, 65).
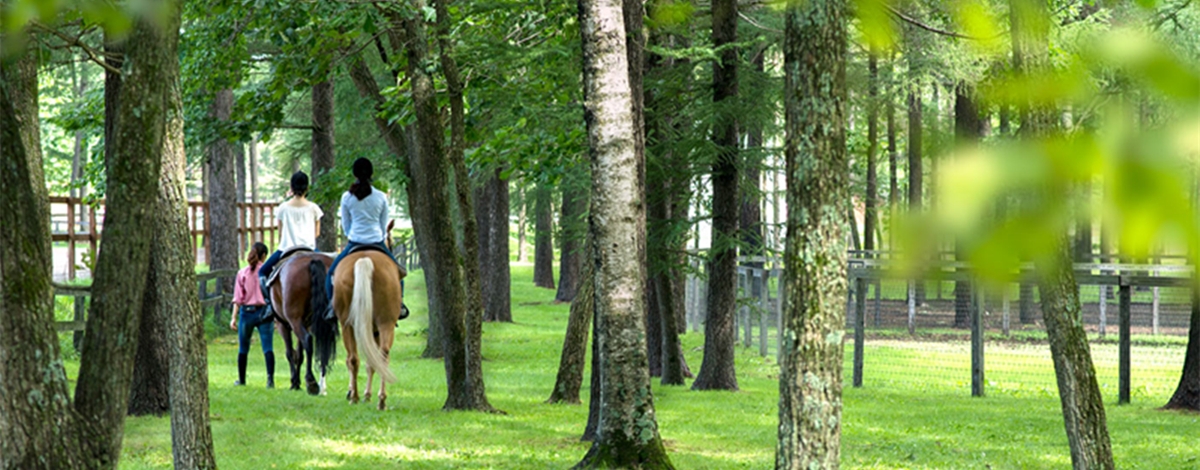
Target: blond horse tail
(362, 319)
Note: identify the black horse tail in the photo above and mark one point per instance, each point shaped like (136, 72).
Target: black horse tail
(324, 322)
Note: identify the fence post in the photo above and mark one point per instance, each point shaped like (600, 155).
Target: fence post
(764, 299)
(860, 291)
(1103, 310)
(1123, 387)
(912, 308)
(1006, 319)
(878, 303)
(1154, 313)
(977, 345)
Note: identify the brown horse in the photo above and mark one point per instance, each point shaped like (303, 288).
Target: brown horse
(368, 298)
(300, 301)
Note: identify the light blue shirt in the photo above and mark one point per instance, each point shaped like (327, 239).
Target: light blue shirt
(364, 221)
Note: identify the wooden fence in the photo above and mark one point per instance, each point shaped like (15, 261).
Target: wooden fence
(215, 299)
(76, 223)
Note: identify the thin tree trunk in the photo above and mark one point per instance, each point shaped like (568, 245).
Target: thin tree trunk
(750, 223)
(433, 181)
(323, 159)
(240, 156)
(495, 271)
(543, 251)
(521, 193)
(717, 369)
(915, 171)
(628, 432)
(870, 217)
(570, 365)
(573, 230)
(222, 202)
(466, 212)
(173, 301)
(254, 170)
(893, 156)
(968, 130)
(810, 381)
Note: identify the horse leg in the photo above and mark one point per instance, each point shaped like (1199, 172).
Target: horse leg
(351, 363)
(310, 380)
(285, 330)
(370, 380)
(385, 338)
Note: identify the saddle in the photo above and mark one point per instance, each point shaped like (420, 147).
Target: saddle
(275, 272)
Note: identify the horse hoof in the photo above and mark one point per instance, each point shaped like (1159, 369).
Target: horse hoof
(382, 404)
(367, 396)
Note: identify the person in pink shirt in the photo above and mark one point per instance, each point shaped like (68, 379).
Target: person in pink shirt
(250, 313)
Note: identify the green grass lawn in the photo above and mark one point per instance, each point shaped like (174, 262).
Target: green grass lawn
(914, 412)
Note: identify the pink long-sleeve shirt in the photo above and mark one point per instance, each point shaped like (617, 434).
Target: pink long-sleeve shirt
(245, 288)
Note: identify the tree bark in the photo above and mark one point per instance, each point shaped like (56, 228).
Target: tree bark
(570, 365)
(45, 433)
(543, 250)
(1078, 390)
(717, 369)
(323, 159)
(240, 156)
(628, 433)
(893, 156)
(495, 271)
(148, 394)
(915, 172)
(144, 108)
(810, 381)
(173, 301)
(462, 185)
(222, 200)
(523, 202)
(573, 229)
(433, 183)
(253, 169)
(1187, 393)
(750, 223)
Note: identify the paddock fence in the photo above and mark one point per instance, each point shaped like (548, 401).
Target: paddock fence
(980, 336)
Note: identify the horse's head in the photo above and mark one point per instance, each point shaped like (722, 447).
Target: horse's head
(387, 236)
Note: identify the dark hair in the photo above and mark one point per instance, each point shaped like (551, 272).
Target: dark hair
(257, 254)
(363, 169)
(299, 183)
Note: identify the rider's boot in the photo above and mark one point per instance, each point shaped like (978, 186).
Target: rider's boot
(262, 284)
(241, 370)
(269, 356)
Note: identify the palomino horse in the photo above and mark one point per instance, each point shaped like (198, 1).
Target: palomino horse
(300, 303)
(368, 298)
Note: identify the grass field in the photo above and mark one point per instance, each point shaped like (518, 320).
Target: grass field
(914, 412)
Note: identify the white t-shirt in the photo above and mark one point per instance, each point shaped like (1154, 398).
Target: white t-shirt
(298, 225)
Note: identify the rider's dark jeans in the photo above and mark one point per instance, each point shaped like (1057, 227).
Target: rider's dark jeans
(269, 265)
(345, 251)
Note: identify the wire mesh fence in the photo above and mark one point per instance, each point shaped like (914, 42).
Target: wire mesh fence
(919, 333)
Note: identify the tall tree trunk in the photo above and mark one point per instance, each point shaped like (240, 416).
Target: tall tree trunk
(574, 350)
(433, 182)
(148, 394)
(717, 369)
(1083, 225)
(173, 301)
(573, 229)
(893, 156)
(145, 106)
(870, 218)
(810, 380)
(628, 432)
(968, 130)
(402, 143)
(750, 223)
(79, 154)
(495, 270)
(466, 212)
(323, 159)
(914, 165)
(44, 433)
(1078, 390)
(523, 202)
(240, 156)
(543, 251)
(222, 200)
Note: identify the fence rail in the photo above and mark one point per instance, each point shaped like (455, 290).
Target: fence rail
(914, 309)
(216, 299)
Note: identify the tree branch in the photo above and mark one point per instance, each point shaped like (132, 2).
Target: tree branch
(74, 41)
(915, 22)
